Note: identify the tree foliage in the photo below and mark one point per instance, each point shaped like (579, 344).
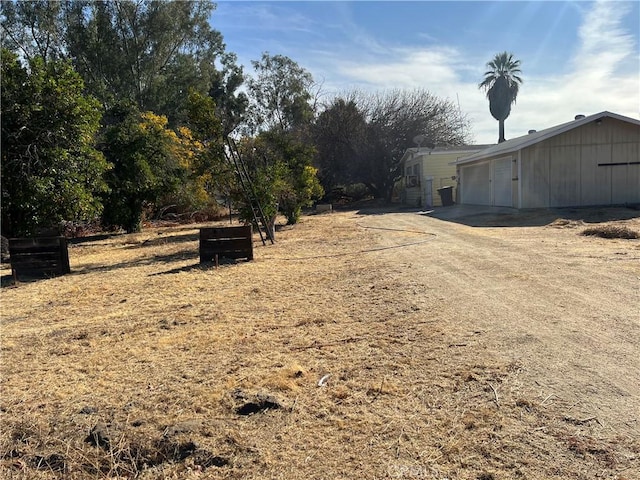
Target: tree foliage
(339, 135)
(280, 157)
(147, 55)
(50, 168)
(281, 94)
(148, 51)
(501, 83)
(146, 156)
(282, 175)
(34, 29)
(210, 166)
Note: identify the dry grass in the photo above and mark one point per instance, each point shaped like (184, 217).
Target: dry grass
(143, 364)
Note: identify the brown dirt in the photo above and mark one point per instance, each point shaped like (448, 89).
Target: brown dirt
(444, 349)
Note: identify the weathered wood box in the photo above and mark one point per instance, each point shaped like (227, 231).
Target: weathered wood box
(324, 208)
(38, 257)
(226, 242)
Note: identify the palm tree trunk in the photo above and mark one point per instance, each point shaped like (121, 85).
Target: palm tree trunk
(501, 131)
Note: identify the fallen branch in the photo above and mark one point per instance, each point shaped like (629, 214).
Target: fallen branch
(545, 400)
(330, 344)
(323, 381)
(377, 394)
(495, 395)
(578, 421)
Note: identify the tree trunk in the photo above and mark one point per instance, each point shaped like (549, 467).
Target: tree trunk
(501, 131)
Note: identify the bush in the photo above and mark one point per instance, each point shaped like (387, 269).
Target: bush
(611, 231)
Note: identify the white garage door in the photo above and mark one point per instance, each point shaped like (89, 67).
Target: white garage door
(501, 183)
(476, 185)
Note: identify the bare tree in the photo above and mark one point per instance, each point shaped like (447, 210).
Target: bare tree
(391, 120)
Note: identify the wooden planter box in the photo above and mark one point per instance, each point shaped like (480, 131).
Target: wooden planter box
(226, 242)
(38, 257)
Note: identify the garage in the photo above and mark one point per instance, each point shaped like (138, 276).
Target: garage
(487, 183)
(590, 161)
(476, 180)
(501, 182)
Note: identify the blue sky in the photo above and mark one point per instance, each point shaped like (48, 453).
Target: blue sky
(577, 56)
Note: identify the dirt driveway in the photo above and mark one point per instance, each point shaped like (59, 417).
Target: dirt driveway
(564, 307)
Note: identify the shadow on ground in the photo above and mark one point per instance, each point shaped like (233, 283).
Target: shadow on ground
(479, 216)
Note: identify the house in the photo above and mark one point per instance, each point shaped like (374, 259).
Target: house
(590, 161)
(428, 169)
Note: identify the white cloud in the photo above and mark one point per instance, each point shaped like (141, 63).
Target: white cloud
(602, 73)
(598, 76)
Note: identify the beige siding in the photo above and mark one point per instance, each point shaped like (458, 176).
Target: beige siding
(434, 172)
(594, 164)
(534, 179)
(564, 176)
(625, 179)
(436, 166)
(567, 170)
(596, 181)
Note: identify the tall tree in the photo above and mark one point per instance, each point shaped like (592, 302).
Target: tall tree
(280, 94)
(280, 155)
(50, 168)
(339, 136)
(393, 119)
(501, 83)
(34, 28)
(149, 52)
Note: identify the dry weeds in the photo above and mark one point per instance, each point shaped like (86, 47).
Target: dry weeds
(144, 364)
(612, 231)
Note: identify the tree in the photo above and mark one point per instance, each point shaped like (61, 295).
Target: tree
(146, 156)
(50, 169)
(298, 182)
(34, 28)
(501, 84)
(392, 119)
(281, 94)
(283, 177)
(148, 52)
(280, 156)
(230, 105)
(211, 167)
(339, 136)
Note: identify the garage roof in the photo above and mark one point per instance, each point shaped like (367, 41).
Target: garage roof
(519, 143)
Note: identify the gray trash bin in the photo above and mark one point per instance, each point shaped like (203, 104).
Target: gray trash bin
(446, 195)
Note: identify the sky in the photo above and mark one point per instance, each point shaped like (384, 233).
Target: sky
(577, 57)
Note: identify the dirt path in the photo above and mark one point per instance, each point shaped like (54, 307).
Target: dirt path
(564, 307)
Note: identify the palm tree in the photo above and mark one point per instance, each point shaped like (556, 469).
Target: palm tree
(501, 83)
